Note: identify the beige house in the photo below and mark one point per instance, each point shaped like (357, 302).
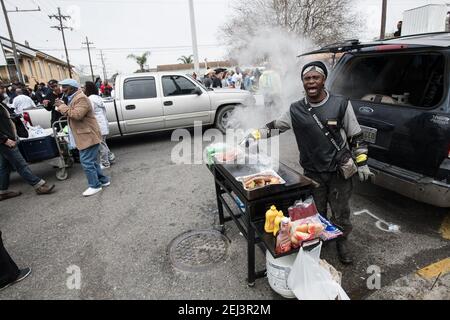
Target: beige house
(36, 66)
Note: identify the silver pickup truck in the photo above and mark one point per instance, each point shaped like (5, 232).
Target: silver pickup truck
(149, 102)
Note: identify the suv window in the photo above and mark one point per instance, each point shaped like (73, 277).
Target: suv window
(177, 86)
(139, 88)
(415, 79)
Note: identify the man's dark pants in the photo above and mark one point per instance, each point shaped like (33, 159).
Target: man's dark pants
(12, 157)
(336, 191)
(8, 269)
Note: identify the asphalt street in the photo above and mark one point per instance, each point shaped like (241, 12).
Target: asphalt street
(120, 238)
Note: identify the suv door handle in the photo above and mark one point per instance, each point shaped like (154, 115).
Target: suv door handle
(130, 107)
(168, 103)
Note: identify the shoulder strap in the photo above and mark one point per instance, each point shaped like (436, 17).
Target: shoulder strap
(323, 128)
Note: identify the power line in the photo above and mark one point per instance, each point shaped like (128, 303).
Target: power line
(87, 43)
(102, 58)
(61, 28)
(11, 37)
(175, 2)
(136, 48)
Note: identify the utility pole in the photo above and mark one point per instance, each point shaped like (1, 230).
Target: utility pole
(61, 28)
(194, 37)
(105, 76)
(11, 38)
(383, 20)
(87, 43)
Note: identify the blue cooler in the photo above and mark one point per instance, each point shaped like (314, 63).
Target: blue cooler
(39, 149)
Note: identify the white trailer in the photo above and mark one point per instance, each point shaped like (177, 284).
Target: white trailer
(426, 19)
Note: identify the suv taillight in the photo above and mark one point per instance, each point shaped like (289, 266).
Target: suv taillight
(26, 117)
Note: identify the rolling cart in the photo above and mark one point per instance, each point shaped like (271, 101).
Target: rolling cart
(53, 144)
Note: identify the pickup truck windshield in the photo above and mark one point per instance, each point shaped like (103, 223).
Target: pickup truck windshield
(415, 79)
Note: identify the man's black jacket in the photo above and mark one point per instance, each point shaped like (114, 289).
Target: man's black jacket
(6, 129)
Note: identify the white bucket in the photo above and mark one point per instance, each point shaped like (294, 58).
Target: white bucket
(278, 272)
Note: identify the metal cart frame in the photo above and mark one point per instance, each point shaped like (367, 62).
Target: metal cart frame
(62, 142)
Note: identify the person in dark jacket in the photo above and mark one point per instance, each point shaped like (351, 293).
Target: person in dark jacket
(9, 272)
(217, 80)
(52, 95)
(318, 155)
(11, 156)
(41, 90)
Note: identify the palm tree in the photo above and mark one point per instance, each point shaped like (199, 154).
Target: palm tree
(186, 60)
(140, 60)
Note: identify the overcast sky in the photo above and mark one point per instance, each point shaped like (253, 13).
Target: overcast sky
(160, 26)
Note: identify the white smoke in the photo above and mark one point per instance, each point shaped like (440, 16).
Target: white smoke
(279, 50)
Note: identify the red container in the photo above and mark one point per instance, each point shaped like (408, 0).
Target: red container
(302, 210)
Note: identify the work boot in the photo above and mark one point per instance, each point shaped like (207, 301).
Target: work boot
(45, 189)
(9, 195)
(343, 252)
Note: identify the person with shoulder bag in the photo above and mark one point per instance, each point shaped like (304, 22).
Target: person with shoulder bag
(331, 145)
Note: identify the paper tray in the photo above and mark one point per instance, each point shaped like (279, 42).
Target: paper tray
(263, 173)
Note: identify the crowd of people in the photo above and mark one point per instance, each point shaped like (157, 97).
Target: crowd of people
(87, 113)
(88, 127)
(40, 93)
(235, 79)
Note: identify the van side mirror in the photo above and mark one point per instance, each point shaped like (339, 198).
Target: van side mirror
(198, 91)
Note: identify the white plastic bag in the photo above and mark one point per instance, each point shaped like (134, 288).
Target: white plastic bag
(310, 281)
(36, 132)
(72, 144)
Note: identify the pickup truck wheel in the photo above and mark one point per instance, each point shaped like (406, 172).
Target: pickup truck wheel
(223, 118)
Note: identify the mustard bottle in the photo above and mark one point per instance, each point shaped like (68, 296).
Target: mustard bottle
(270, 219)
(277, 222)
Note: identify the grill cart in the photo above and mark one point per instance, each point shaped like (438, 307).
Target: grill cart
(252, 205)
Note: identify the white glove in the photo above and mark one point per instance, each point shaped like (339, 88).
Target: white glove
(364, 173)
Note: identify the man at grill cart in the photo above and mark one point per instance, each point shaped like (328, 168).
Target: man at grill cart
(329, 138)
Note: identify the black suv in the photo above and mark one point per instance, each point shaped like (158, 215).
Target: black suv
(399, 89)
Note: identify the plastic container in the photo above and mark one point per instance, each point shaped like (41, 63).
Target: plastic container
(283, 243)
(240, 204)
(39, 149)
(271, 214)
(278, 272)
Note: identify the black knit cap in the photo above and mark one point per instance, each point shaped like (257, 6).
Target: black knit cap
(319, 64)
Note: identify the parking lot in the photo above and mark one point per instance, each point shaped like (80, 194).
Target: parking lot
(119, 239)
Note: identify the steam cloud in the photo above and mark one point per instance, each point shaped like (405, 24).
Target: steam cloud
(279, 49)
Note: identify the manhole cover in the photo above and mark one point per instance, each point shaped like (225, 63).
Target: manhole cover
(198, 250)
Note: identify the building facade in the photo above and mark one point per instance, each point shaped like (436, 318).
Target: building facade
(36, 66)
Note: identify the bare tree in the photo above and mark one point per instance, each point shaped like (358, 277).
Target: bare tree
(322, 21)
